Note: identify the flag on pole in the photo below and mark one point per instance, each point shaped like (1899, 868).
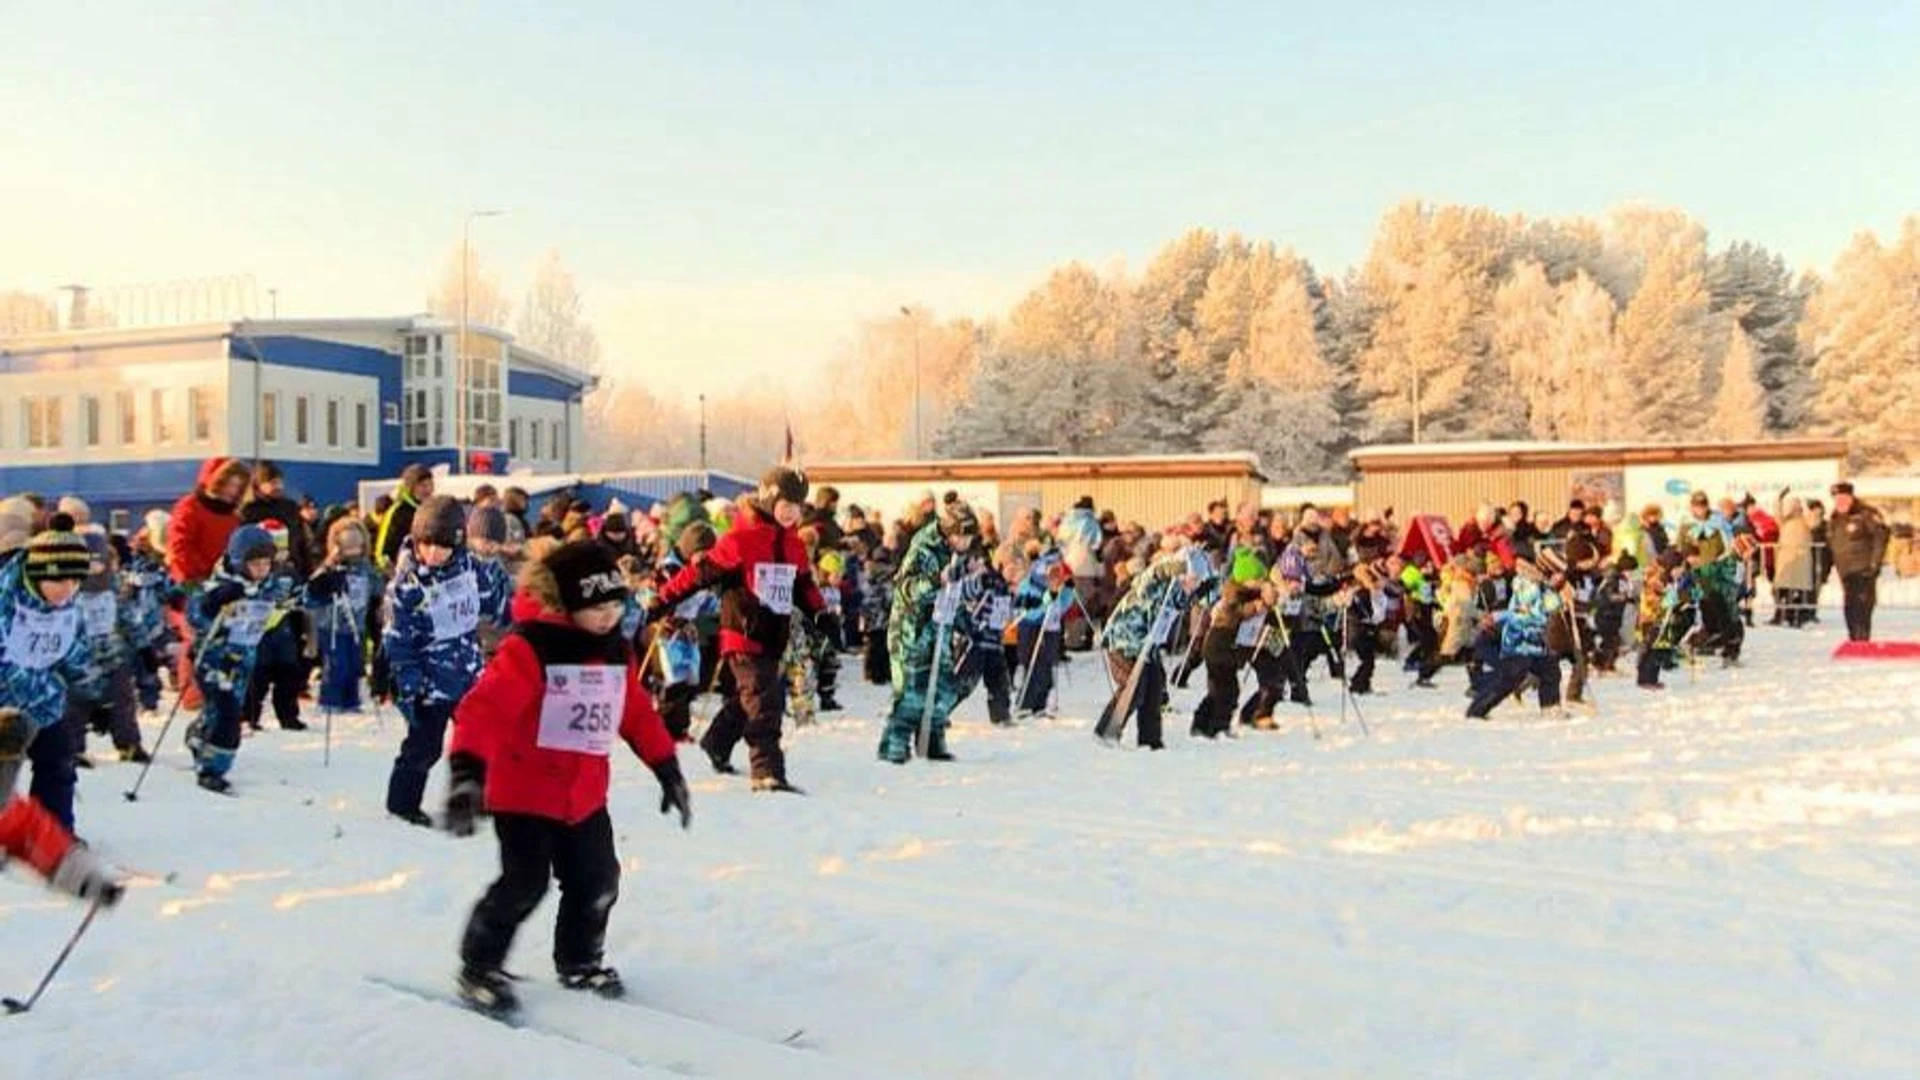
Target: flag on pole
(787, 458)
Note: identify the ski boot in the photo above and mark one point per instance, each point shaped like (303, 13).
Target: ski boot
(829, 703)
(602, 981)
(937, 747)
(215, 783)
(415, 816)
(136, 754)
(489, 992)
(775, 784)
(720, 764)
(295, 724)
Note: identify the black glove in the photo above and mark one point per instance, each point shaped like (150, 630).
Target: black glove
(466, 794)
(673, 791)
(655, 609)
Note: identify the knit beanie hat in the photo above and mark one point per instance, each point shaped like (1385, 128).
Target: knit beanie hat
(587, 575)
(277, 529)
(487, 523)
(441, 522)
(59, 554)
(615, 521)
(248, 542)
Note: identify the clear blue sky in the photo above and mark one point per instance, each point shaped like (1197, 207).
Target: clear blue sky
(746, 181)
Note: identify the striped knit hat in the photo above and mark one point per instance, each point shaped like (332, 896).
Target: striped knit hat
(57, 555)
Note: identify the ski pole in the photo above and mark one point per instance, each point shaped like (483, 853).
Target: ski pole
(1087, 615)
(132, 794)
(1346, 689)
(14, 1006)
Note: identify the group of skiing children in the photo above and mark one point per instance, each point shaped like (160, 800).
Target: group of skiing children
(596, 644)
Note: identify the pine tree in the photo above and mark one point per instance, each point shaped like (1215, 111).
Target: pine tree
(1740, 403)
(1863, 327)
(1524, 326)
(1279, 389)
(1168, 297)
(1754, 285)
(1662, 338)
(1593, 392)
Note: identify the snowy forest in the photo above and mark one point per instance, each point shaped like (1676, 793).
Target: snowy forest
(1635, 328)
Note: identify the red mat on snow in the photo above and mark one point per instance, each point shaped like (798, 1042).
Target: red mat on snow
(1878, 650)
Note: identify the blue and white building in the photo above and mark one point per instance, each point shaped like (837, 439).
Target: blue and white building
(125, 417)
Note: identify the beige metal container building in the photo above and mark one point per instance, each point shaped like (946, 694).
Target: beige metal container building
(1154, 491)
(1451, 479)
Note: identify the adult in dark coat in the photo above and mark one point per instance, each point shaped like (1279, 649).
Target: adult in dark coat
(1858, 537)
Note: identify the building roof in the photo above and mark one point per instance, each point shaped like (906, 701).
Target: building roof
(110, 337)
(1406, 457)
(1039, 467)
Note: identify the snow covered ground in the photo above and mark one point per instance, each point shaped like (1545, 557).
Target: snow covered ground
(1718, 881)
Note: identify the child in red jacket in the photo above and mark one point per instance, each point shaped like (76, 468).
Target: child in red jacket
(532, 739)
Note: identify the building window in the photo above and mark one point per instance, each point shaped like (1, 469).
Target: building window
(513, 438)
(89, 421)
(129, 417)
(200, 414)
(533, 431)
(555, 429)
(417, 418)
(162, 420)
(439, 416)
(270, 416)
(333, 423)
(302, 407)
(362, 415)
(483, 391)
(40, 422)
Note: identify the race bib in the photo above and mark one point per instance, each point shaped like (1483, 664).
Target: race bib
(582, 709)
(1293, 606)
(1050, 622)
(832, 597)
(946, 606)
(999, 612)
(358, 592)
(454, 606)
(246, 622)
(1249, 633)
(773, 586)
(97, 612)
(39, 639)
(1162, 630)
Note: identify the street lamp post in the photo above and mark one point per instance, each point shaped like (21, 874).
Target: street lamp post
(918, 448)
(460, 396)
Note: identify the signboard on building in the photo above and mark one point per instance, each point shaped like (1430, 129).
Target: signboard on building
(1670, 486)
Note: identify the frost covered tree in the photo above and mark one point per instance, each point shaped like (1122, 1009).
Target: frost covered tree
(553, 319)
(487, 303)
(1754, 285)
(1279, 390)
(1863, 328)
(1595, 393)
(1063, 372)
(1524, 317)
(1663, 338)
(25, 313)
(1433, 272)
(1168, 298)
(1740, 402)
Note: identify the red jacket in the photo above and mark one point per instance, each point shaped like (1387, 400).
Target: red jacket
(746, 627)
(500, 721)
(198, 532)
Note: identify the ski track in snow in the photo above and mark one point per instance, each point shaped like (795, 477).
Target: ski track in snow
(1715, 881)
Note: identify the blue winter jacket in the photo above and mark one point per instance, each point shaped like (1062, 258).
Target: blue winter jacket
(144, 586)
(433, 617)
(340, 597)
(1132, 619)
(111, 630)
(42, 650)
(229, 616)
(1523, 626)
(1079, 539)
